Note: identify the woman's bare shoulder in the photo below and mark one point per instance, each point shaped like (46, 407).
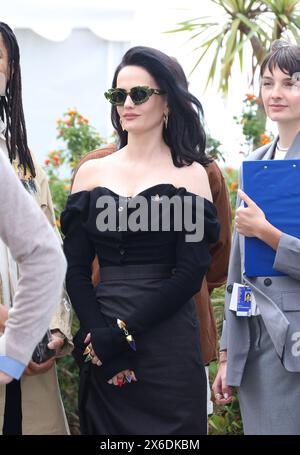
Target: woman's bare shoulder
(89, 174)
(194, 178)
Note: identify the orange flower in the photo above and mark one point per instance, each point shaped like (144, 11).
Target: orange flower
(47, 162)
(56, 160)
(53, 155)
(250, 97)
(68, 122)
(71, 112)
(265, 139)
(57, 222)
(67, 187)
(234, 186)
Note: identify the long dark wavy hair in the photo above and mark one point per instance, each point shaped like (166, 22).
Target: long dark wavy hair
(11, 107)
(185, 133)
(284, 55)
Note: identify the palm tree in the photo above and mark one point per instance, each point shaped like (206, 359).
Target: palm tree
(243, 21)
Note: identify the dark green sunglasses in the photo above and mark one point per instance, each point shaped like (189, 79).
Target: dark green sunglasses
(139, 95)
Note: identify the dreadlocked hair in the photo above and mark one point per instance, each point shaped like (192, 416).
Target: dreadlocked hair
(11, 107)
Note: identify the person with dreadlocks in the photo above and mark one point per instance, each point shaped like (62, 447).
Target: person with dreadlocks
(23, 403)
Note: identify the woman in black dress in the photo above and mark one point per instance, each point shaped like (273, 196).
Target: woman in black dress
(146, 212)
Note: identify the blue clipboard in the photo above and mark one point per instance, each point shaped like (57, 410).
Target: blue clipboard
(274, 185)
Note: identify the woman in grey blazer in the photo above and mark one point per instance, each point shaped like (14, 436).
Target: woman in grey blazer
(260, 355)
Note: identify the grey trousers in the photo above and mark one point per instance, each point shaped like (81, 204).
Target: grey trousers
(269, 395)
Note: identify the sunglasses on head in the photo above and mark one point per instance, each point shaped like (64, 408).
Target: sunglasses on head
(138, 95)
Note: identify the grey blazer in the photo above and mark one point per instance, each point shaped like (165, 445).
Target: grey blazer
(278, 297)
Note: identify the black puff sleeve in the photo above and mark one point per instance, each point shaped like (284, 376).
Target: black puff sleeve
(80, 253)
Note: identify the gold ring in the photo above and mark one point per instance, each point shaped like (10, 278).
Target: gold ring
(87, 350)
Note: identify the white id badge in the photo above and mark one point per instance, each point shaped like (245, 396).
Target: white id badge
(242, 300)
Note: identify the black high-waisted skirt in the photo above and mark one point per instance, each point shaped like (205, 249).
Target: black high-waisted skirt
(169, 397)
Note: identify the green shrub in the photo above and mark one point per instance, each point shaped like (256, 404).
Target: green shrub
(78, 138)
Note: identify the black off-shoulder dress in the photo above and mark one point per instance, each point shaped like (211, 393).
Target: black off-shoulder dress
(148, 279)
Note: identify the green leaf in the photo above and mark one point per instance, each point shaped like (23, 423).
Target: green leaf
(231, 42)
(252, 25)
(206, 45)
(212, 72)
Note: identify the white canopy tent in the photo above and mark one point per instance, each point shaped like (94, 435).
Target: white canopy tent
(65, 74)
(70, 48)
(69, 51)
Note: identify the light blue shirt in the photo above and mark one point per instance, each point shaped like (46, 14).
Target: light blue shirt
(11, 366)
